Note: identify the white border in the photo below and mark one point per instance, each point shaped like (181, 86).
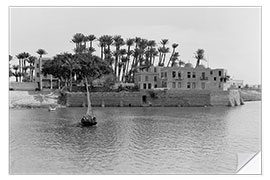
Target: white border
(4, 72)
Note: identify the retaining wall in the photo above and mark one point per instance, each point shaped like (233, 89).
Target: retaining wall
(227, 98)
(157, 98)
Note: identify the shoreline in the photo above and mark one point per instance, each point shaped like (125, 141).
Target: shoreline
(35, 100)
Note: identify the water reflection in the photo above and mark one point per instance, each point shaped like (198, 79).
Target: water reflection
(133, 140)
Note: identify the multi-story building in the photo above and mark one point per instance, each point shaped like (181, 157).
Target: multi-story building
(48, 81)
(183, 78)
(148, 78)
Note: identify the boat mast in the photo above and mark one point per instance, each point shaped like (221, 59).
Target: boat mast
(89, 107)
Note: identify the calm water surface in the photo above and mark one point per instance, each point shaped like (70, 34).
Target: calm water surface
(141, 140)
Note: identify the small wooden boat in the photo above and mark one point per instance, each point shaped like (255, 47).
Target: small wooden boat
(88, 120)
(52, 108)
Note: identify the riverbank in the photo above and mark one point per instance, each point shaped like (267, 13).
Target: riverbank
(33, 99)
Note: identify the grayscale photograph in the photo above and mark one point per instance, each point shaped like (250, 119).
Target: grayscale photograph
(134, 90)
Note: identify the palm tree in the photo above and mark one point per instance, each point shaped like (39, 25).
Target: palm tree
(122, 61)
(102, 44)
(165, 50)
(107, 52)
(129, 43)
(151, 44)
(174, 45)
(78, 39)
(22, 58)
(199, 55)
(118, 42)
(31, 61)
(16, 73)
(91, 38)
(174, 59)
(40, 52)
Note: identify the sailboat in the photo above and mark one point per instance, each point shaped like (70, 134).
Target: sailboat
(89, 118)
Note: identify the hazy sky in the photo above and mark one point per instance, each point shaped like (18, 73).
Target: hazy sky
(231, 37)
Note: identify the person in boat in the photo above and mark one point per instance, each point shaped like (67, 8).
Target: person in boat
(89, 118)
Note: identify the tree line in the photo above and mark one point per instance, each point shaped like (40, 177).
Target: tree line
(123, 58)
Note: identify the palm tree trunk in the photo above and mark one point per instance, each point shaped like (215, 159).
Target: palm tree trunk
(171, 57)
(101, 55)
(20, 70)
(89, 107)
(70, 78)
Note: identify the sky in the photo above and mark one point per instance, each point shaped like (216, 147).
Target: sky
(231, 37)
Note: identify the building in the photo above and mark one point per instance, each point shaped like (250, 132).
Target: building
(182, 78)
(236, 84)
(148, 78)
(47, 82)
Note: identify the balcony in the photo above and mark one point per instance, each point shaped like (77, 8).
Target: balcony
(204, 78)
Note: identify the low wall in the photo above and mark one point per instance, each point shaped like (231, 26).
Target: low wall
(229, 98)
(157, 98)
(23, 86)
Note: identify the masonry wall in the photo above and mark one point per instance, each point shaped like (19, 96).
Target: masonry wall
(114, 99)
(221, 98)
(181, 98)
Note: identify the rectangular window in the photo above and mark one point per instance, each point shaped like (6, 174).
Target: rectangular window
(37, 65)
(188, 74)
(164, 84)
(219, 73)
(193, 85)
(38, 74)
(179, 84)
(155, 69)
(165, 74)
(162, 74)
(188, 85)
(194, 75)
(211, 72)
(149, 86)
(215, 78)
(179, 74)
(173, 85)
(146, 78)
(144, 85)
(203, 85)
(173, 74)
(155, 78)
(203, 75)
(155, 85)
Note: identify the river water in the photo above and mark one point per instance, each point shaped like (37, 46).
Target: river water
(143, 140)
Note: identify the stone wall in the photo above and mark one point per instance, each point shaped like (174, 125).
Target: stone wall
(227, 98)
(143, 98)
(114, 99)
